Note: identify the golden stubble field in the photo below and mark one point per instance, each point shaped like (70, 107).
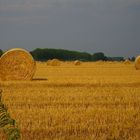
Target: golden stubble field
(93, 101)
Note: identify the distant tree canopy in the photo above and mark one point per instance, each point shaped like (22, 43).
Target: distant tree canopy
(1, 52)
(115, 58)
(133, 58)
(46, 54)
(98, 56)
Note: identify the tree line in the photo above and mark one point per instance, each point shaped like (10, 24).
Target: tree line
(67, 55)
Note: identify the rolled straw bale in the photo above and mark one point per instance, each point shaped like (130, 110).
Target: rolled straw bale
(55, 62)
(99, 62)
(127, 61)
(77, 62)
(17, 64)
(137, 63)
(49, 62)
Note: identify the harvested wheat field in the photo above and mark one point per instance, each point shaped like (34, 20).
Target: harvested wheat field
(89, 102)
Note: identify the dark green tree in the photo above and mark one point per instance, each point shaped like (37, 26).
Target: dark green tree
(133, 58)
(98, 56)
(46, 54)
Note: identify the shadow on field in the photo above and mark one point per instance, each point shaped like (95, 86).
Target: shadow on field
(39, 79)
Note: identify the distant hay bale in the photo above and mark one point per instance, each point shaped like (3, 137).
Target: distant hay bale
(17, 64)
(137, 63)
(99, 62)
(110, 62)
(49, 62)
(127, 61)
(55, 62)
(77, 62)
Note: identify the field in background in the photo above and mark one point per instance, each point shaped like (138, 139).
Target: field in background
(93, 101)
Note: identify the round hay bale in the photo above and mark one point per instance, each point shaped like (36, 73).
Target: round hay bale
(55, 62)
(17, 64)
(127, 61)
(99, 62)
(137, 63)
(49, 62)
(77, 62)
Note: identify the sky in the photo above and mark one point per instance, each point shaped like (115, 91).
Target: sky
(109, 26)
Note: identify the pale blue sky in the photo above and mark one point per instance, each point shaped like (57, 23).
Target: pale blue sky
(109, 26)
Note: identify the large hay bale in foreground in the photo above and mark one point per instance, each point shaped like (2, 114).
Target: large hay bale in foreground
(77, 62)
(17, 64)
(127, 61)
(137, 63)
(55, 62)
